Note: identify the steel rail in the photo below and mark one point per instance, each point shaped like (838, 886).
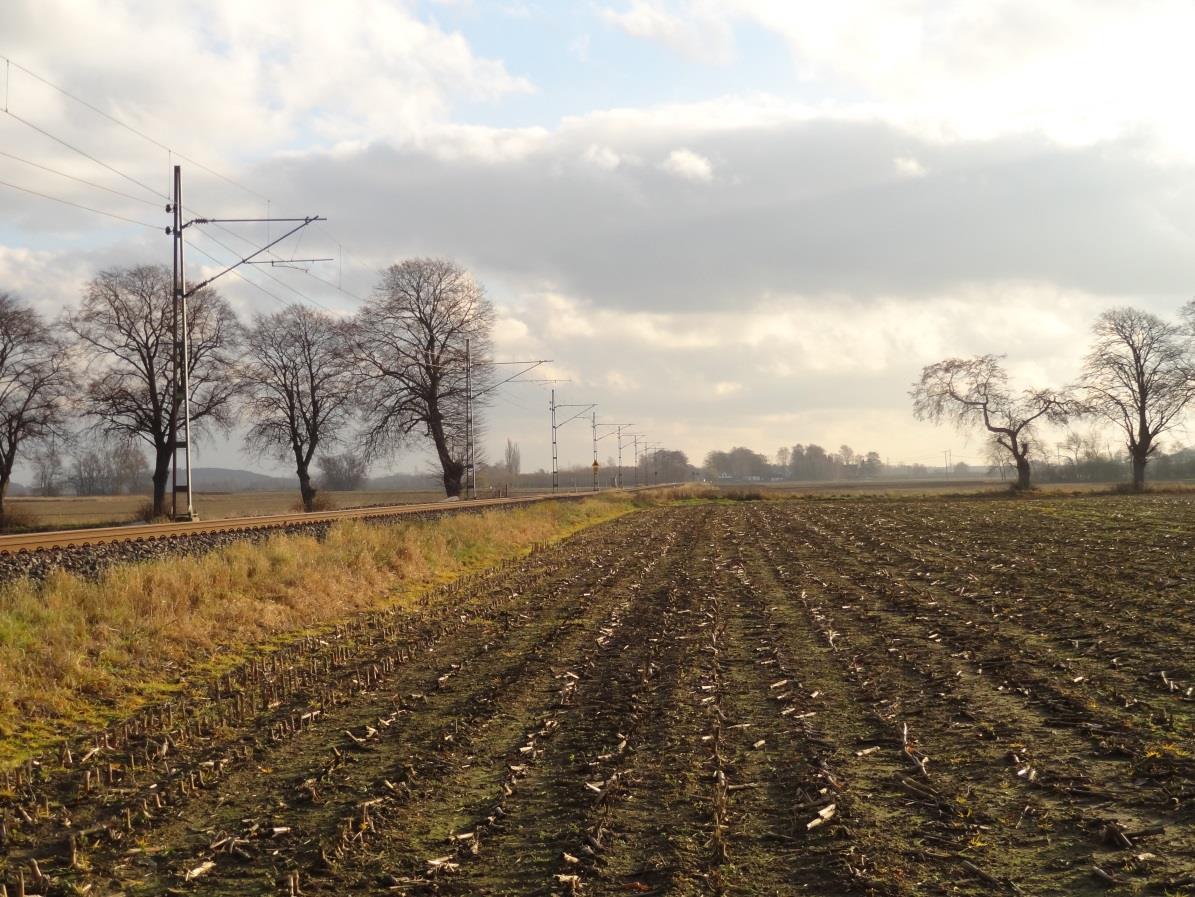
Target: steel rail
(84, 536)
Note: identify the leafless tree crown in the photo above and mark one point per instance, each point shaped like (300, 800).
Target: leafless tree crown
(1140, 376)
(35, 382)
(300, 383)
(410, 343)
(125, 328)
(970, 392)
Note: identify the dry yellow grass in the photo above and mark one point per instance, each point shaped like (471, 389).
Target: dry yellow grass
(74, 651)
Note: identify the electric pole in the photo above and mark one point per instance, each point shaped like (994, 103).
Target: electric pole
(595, 461)
(622, 436)
(470, 480)
(180, 391)
(616, 430)
(552, 407)
(655, 474)
(180, 383)
(470, 440)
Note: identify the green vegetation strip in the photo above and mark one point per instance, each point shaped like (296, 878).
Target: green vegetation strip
(81, 653)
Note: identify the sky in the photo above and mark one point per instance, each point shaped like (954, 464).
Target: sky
(727, 222)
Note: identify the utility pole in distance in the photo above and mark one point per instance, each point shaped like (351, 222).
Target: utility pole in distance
(655, 459)
(552, 407)
(616, 430)
(181, 356)
(621, 437)
(470, 480)
(470, 439)
(595, 460)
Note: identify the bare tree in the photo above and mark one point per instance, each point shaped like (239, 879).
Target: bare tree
(1139, 376)
(125, 326)
(46, 459)
(970, 392)
(35, 380)
(299, 380)
(345, 472)
(88, 474)
(513, 460)
(410, 343)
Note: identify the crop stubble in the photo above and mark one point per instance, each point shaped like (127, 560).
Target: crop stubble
(760, 698)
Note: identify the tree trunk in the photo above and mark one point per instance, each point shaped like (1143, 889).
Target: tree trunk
(161, 477)
(1139, 473)
(453, 473)
(453, 470)
(6, 466)
(1022, 472)
(306, 490)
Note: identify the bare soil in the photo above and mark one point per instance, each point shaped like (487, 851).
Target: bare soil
(766, 698)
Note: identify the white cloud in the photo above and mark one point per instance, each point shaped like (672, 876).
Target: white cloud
(620, 382)
(259, 77)
(602, 157)
(907, 166)
(727, 388)
(689, 165)
(699, 30)
(1077, 71)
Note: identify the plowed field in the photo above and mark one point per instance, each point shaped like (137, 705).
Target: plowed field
(890, 698)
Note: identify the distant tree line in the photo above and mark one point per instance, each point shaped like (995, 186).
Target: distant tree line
(99, 382)
(801, 462)
(653, 467)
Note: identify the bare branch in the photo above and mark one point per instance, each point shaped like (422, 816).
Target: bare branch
(124, 328)
(409, 342)
(36, 380)
(974, 392)
(1140, 376)
(300, 382)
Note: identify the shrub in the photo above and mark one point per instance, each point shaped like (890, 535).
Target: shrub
(145, 513)
(323, 501)
(15, 519)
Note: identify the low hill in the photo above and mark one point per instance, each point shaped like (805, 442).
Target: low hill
(229, 479)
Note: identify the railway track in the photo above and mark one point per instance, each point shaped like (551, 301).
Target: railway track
(152, 532)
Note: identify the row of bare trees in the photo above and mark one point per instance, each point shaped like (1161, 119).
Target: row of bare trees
(1138, 377)
(300, 378)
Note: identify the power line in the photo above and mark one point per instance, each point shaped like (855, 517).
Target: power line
(67, 202)
(159, 144)
(509, 401)
(276, 280)
(163, 146)
(148, 202)
(119, 122)
(251, 283)
(329, 283)
(85, 154)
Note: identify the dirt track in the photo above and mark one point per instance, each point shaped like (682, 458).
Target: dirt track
(757, 699)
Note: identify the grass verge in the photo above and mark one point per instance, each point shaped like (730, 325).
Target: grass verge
(77, 652)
